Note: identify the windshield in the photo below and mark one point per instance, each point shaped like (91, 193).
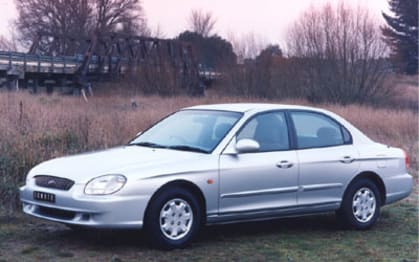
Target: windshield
(189, 130)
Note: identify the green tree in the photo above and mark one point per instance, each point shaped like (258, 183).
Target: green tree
(401, 33)
(269, 52)
(211, 52)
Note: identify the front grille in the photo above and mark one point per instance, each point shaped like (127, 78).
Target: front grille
(41, 196)
(54, 182)
(56, 213)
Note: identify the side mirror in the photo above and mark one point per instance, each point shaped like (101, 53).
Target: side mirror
(247, 146)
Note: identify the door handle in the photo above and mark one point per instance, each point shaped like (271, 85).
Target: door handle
(284, 164)
(347, 159)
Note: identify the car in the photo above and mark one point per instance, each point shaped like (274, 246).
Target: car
(223, 163)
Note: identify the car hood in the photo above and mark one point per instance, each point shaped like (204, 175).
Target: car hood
(121, 160)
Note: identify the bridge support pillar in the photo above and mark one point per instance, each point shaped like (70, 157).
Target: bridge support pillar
(23, 83)
(50, 88)
(35, 85)
(13, 84)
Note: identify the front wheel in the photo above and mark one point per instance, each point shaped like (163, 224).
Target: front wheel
(360, 206)
(173, 218)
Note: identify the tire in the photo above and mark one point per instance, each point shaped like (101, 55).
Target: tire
(361, 204)
(173, 218)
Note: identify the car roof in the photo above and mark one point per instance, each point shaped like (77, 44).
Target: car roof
(245, 107)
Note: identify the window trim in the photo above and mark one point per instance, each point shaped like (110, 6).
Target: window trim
(294, 131)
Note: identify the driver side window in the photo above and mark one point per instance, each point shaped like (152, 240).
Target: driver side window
(269, 130)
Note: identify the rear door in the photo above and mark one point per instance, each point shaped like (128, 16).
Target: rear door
(326, 155)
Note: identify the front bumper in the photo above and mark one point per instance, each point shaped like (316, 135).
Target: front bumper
(73, 207)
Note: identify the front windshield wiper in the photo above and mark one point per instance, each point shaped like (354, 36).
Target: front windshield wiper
(148, 144)
(175, 147)
(188, 148)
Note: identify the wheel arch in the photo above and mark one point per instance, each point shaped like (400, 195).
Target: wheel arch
(375, 178)
(187, 185)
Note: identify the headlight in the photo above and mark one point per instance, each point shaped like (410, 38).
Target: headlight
(105, 185)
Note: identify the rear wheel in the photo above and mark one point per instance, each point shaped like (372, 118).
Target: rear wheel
(361, 205)
(173, 218)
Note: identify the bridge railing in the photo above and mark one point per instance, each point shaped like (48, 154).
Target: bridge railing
(15, 63)
(38, 64)
(28, 63)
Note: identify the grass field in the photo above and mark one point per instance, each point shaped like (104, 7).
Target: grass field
(317, 238)
(36, 128)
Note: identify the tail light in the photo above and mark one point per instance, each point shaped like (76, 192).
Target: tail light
(406, 160)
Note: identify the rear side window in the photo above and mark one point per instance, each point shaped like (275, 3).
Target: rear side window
(317, 130)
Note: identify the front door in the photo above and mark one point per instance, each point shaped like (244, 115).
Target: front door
(263, 180)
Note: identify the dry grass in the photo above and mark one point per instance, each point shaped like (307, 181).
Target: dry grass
(36, 128)
(405, 91)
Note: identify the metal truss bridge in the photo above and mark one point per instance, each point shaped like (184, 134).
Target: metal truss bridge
(102, 59)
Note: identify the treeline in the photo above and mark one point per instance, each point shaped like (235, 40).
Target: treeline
(335, 52)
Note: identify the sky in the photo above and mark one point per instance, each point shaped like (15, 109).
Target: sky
(267, 19)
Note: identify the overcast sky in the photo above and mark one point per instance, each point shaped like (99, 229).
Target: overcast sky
(267, 19)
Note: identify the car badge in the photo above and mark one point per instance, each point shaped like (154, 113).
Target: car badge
(52, 182)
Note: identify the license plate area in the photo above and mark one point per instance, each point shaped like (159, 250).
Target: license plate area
(45, 197)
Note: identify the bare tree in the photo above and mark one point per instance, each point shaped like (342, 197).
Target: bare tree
(119, 15)
(156, 32)
(75, 19)
(70, 18)
(7, 44)
(340, 52)
(247, 46)
(202, 22)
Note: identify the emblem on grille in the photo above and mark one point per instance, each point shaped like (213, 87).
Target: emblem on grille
(52, 182)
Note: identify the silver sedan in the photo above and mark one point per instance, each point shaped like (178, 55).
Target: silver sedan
(222, 163)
